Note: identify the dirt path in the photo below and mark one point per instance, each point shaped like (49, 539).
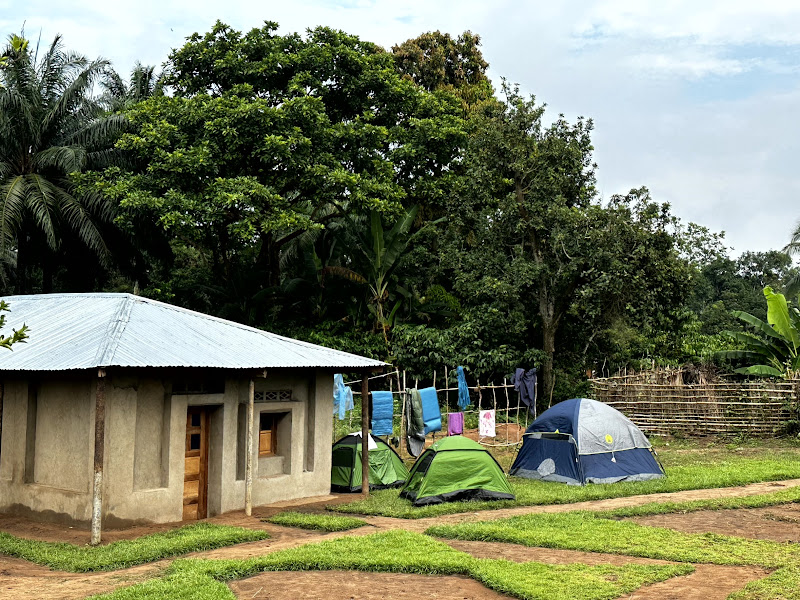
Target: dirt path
(708, 582)
(347, 585)
(22, 579)
(19, 578)
(776, 523)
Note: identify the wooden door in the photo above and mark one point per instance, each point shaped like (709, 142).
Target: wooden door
(195, 477)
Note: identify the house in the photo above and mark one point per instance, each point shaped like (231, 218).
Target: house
(122, 410)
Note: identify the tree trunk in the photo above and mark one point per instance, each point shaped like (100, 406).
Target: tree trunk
(549, 327)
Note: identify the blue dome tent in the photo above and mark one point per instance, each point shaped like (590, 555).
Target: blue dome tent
(582, 441)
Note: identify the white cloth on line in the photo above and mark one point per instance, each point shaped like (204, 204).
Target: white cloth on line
(486, 423)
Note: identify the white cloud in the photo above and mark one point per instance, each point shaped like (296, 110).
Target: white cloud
(708, 22)
(692, 65)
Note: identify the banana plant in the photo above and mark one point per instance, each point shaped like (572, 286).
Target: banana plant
(379, 252)
(773, 347)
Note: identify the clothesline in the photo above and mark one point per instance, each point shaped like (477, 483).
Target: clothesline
(397, 372)
(477, 388)
(483, 402)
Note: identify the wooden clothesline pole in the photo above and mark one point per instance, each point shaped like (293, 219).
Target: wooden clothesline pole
(365, 435)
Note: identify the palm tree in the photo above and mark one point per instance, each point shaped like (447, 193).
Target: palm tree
(144, 83)
(50, 128)
(793, 249)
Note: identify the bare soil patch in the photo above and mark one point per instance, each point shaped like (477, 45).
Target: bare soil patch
(22, 579)
(349, 585)
(708, 582)
(550, 556)
(776, 523)
(504, 432)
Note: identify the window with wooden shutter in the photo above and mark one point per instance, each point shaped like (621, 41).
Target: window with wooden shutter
(267, 434)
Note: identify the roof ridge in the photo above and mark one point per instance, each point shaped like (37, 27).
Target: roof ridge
(106, 351)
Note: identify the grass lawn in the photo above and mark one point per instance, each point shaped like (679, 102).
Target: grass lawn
(687, 465)
(586, 532)
(783, 584)
(316, 521)
(620, 537)
(126, 553)
(404, 552)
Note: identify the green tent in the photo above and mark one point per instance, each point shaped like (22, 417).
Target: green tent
(455, 468)
(386, 469)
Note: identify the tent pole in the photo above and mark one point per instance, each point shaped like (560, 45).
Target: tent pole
(248, 461)
(99, 454)
(365, 434)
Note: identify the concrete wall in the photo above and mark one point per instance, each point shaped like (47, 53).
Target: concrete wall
(46, 448)
(47, 445)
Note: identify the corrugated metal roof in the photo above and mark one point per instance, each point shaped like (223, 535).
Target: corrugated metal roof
(84, 331)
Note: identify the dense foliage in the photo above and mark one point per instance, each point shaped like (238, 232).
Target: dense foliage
(392, 204)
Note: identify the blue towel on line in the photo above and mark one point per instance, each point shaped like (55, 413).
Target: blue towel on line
(342, 396)
(463, 390)
(382, 412)
(431, 414)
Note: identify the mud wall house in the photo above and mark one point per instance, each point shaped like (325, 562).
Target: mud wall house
(156, 399)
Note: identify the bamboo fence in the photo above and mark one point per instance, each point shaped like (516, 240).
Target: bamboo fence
(663, 402)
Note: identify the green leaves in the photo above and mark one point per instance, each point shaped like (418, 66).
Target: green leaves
(775, 348)
(18, 336)
(778, 317)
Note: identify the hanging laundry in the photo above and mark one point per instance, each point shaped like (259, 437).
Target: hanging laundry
(486, 423)
(342, 396)
(382, 413)
(463, 390)
(431, 413)
(455, 423)
(415, 426)
(525, 384)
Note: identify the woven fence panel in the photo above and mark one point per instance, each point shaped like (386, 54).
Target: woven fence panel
(757, 408)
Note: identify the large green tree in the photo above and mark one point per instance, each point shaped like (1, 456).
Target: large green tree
(50, 128)
(267, 138)
(526, 232)
(438, 61)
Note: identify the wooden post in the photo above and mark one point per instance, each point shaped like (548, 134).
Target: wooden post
(403, 428)
(248, 460)
(2, 395)
(446, 388)
(99, 454)
(365, 434)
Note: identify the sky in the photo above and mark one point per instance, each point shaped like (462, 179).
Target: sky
(699, 101)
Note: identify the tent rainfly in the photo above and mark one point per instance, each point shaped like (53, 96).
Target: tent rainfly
(582, 441)
(455, 468)
(386, 469)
